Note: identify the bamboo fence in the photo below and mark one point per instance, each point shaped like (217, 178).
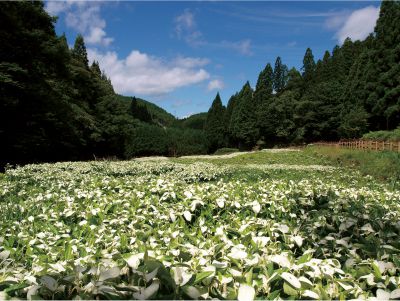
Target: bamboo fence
(364, 145)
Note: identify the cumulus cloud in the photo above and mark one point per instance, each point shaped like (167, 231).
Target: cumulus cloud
(356, 25)
(141, 73)
(84, 17)
(215, 84)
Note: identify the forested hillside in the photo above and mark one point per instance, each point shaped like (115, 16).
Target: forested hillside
(350, 91)
(57, 106)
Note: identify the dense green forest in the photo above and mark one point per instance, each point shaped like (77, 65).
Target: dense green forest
(56, 106)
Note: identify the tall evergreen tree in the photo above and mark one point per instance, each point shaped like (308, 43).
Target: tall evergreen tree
(214, 127)
(265, 82)
(243, 121)
(79, 51)
(280, 75)
(308, 64)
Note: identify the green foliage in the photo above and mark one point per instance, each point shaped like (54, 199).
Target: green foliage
(195, 121)
(139, 111)
(308, 64)
(375, 83)
(264, 87)
(280, 75)
(214, 126)
(276, 120)
(79, 52)
(354, 123)
(383, 135)
(243, 124)
(168, 230)
(149, 140)
(158, 114)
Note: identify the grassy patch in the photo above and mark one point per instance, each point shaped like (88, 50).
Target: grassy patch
(383, 165)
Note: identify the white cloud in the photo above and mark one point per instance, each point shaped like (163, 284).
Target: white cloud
(184, 22)
(215, 84)
(84, 17)
(243, 47)
(357, 25)
(140, 73)
(186, 29)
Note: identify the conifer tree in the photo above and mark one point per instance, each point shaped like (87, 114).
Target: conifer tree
(214, 127)
(79, 51)
(280, 75)
(243, 121)
(308, 64)
(265, 83)
(95, 68)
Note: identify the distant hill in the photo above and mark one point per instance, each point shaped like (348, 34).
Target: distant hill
(159, 114)
(195, 121)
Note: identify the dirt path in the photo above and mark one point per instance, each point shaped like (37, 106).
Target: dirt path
(227, 156)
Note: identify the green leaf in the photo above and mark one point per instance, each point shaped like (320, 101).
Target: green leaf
(249, 277)
(377, 271)
(201, 276)
(15, 287)
(289, 290)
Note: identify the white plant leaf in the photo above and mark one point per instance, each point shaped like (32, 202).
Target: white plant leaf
(291, 279)
(220, 202)
(109, 273)
(256, 207)
(246, 293)
(395, 294)
(282, 260)
(134, 260)
(148, 292)
(237, 253)
(151, 275)
(187, 215)
(298, 240)
(310, 294)
(180, 275)
(382, 294)
(49, 282)
(192, 292)
(31, 292)
(4, 254)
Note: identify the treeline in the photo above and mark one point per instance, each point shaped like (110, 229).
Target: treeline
(352, 90)
(55, 106)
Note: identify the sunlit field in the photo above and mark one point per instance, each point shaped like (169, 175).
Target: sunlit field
(282, 224)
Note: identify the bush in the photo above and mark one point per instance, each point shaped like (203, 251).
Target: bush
(383, 135)
(225, 151)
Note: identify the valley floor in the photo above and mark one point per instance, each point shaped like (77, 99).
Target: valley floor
(268, 224)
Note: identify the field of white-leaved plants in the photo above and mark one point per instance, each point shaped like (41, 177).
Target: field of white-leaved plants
(168, 230)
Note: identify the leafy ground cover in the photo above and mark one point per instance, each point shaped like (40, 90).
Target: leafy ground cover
(266, 225)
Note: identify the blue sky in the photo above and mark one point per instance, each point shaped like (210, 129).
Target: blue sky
(179, 54)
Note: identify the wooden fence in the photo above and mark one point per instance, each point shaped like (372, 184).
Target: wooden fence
(364, 145)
